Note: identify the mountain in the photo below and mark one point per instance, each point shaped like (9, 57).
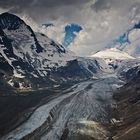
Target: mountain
(112, 53)
(32, 60)
(113, 57)
(125, 67)
(25, 53)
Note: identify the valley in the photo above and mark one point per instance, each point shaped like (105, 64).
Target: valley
(73, 114)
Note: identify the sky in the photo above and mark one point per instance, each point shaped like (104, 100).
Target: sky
(71, 31)
(101, 21)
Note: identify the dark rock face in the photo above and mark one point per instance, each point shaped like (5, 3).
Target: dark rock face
(75, 69)
(10, 22)
(128, 112)
(131, 73)
(9, 25)
(72, 70)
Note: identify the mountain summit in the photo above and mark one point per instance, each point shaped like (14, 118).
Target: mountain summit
(112, 53)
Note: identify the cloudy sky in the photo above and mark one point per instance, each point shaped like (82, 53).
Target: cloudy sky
(101, 20)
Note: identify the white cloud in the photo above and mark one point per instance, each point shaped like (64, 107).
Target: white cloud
(103, 26)
(132, 48)
(2, 10)
(55, 32)
(134, 35)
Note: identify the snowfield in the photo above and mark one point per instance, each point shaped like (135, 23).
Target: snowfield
(112, 53)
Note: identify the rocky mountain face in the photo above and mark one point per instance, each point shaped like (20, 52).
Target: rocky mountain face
(127, 113)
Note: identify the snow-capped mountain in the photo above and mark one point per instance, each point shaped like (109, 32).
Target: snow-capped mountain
(35, 60)
(25, 53)
(112, 53)
(113, 57)
(125, 66)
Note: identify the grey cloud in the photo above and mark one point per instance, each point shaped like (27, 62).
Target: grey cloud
(101, 5)
(37, 8)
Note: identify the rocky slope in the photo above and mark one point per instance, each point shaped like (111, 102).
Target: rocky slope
(127, 113)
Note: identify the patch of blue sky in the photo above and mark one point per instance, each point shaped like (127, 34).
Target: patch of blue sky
(70, 33)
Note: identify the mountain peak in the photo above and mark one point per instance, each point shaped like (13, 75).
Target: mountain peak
(10, 21)
(112, 53)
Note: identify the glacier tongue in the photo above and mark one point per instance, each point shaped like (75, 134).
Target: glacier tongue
(85, 103)
(89, 105)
